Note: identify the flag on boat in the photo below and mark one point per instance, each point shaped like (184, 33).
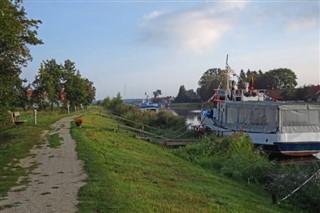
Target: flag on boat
(250, 87)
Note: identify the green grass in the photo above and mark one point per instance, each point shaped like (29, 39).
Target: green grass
(16, 142)
(54, 140)
(130, 175)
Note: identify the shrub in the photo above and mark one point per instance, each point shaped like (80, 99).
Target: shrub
(236, 157)
(233, 156)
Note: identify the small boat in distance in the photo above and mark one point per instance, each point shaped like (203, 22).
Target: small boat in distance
(148, 105)
(289, 128)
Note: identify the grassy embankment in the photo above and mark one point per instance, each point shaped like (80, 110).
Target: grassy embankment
(130, 175)
(16, 142)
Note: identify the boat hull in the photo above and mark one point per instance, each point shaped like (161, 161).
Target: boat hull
(292, 149)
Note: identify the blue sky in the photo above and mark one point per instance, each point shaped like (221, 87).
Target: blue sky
(133, 47)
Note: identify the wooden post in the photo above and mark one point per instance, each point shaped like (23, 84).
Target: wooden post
(68, 107)
(35, 116)
(142, 130)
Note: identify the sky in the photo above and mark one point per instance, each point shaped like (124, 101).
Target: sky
(137, 47)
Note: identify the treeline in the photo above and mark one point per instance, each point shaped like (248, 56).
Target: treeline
(54, 84)
(59, 84)
(283, 80)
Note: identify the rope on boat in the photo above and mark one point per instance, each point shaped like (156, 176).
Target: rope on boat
(310, 178)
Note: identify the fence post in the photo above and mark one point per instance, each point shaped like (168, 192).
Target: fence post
(142, 128)
(35, 116)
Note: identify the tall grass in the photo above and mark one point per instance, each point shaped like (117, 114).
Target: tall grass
(236, 157)
(233, 156)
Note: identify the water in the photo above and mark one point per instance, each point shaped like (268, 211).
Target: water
(191, 115)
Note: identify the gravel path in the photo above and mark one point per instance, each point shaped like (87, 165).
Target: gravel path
(54, 183)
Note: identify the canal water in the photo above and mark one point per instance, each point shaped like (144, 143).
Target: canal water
(191, 115)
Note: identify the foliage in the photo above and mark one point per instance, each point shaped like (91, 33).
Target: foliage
(289, 177)
(186, 96)
(61, 84)
(16, 33)
(157, 93)
(48, 83)
(301, 93)
(210, 80)
(235, 157)
(281, 78)
(164, 119)
(242, 80)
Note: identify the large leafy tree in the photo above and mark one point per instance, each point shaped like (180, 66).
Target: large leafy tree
(212, 79)
(48, 82)
(281, 78)
(57, 83)
(75, 86)
(16, 33)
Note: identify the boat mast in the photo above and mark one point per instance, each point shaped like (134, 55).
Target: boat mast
(227, 74)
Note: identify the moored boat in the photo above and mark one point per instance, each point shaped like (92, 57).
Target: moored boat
(288, 128)
(148, 105)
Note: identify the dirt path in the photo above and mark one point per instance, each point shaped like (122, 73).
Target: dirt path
(53, 185)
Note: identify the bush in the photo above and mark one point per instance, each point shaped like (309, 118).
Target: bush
(236, 157)
(233, 156)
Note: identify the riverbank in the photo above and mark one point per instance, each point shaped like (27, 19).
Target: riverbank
(131, 175)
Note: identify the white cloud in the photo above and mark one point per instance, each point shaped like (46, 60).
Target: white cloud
(152, 15)
(197, 30)
(301, 23)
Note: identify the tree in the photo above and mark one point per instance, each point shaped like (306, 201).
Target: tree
(156, 93)
(185, 96)
(58, 83)
(281, 78)
(16, 33)
(75, 88)
(182, 95)
(212, 79)
(90, 92)
(302, 93)
(242, 80)
(48, 82)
